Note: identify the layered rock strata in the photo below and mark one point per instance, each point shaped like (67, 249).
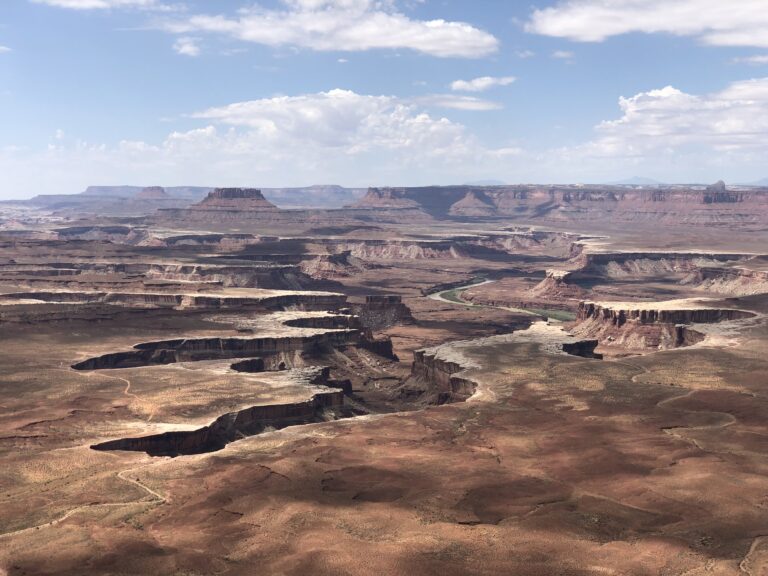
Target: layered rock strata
(650, 326)
(321, 406)
(443, 373)
(693, 206)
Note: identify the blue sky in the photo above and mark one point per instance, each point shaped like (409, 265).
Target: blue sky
(379, 92)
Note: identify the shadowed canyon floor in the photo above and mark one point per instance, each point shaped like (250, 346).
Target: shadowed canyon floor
(485, 394)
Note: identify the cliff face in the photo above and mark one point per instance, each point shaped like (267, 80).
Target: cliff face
(640, 264)
(195, 349)
(474, 204)
(246, 422)
(645, 313)
(646, 326)
(729, 281)
(441, 374)
(171, 300)
(153, 193)
(380, 312)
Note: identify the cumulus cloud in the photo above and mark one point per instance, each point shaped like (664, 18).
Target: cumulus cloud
(340, 121)
(339, 136)
(741, 23)
(186, 46)
(481, 84)
(342, 25)
(360, 139)
(669, 122)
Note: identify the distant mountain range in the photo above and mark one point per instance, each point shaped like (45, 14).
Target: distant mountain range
(127, 200)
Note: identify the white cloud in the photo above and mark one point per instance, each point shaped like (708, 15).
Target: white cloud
(524, 54)
(187, 46)
(359, 139)
(563, 54)
(343, 25)
(481, 84)
(667, 122)
(103, 4)
(339, 120)
(338, 136)
(734, 23)
(756, 60)
(4, 49)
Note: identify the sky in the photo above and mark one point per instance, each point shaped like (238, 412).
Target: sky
(379, 92)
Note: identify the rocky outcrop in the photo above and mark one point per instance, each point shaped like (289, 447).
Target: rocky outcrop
(442, 374)
(445, 386)
(649, 326)
(332, 266)
(556, 289)
(683, 205)
(116, 234)
(256, 275)
(251, 366)
(380, 312)
(271, 349)
(246, 199)
(729, 281)
(475, 204)
(672, 312)
(322, 406)
(153, 193)
(309, 300)
(646, 264)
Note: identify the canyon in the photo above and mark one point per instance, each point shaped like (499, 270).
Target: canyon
(523, 379)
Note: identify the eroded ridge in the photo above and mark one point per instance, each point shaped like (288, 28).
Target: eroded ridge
(652, 325)
(322, 406)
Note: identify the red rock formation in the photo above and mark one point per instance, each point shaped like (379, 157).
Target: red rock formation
(246, 199)
(474, 204)
(715, 205)
(153, 193)
(638, 327)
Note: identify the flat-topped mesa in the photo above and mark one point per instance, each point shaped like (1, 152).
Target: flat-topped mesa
(474, 204)
(644, 326)
(234, 199)
(695, 205)
(153, 193)
(670, 312)
(386, 198)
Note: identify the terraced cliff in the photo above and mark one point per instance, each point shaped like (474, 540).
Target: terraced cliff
(715, 205)
(640, 326)
(321, 406)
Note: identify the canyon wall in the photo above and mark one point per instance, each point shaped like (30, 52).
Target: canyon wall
(648, 326)
(696, 206)
(234, 425)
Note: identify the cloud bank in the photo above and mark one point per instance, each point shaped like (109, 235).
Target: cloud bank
(342, 25)
(735, 23)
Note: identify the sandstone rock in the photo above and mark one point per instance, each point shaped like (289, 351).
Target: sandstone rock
(246, 199)
(153, 193)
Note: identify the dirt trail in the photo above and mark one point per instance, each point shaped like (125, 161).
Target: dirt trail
(158, 499)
